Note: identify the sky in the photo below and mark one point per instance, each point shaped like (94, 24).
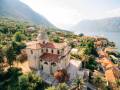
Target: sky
(67, 13)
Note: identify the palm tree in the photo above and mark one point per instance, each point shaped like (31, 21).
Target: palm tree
(100, 83)
(79, 83)
(51, 88)
(62, 86)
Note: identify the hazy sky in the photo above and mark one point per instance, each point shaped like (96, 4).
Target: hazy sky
(65, 13)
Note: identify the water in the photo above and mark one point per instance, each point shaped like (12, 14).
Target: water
(111, 36)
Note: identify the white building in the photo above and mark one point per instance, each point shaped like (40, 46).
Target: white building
(74, 69)
(47, 56)
(74, 51)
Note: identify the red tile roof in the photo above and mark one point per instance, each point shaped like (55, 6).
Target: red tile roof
(112, 74)
(50, 57)
(49, 45)
(37, 45)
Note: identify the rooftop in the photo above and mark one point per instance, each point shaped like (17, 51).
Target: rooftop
(106, 63)
(38, 45)
(34, 45)
(50, 57)
(112, 74)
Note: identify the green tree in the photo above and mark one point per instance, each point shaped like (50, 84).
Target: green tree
(81, 34)
(31, 82)
(79, 83)
(18, 37)
(91, 64)
(51, 88)
(10, 54)
(100, 82)
(56, 39)
(9, 79)
(62, 86)
(18, 46)
(118, 82)
(48, 33)
(23, 82)
(1, 58)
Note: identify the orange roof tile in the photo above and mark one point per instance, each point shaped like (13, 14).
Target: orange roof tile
(106, 63)
(50, 57)
(112, 74)
(37, 45)
(49, 45)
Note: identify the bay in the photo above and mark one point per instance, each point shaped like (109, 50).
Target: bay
(113, 36)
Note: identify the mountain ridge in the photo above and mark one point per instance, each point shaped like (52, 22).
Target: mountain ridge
(18, 10)
(106, 24)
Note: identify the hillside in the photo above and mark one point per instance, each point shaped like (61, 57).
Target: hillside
(18, 10)
(108, 24)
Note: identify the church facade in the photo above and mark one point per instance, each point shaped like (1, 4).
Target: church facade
(47, 56)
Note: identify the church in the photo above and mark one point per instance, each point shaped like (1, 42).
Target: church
(47, 56)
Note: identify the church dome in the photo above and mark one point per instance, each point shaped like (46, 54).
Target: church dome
(42, 36)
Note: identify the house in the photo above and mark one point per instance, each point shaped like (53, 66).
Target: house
(75, 70)
(74, 51)
(100, 42)
(111, 71)
(112, 74)
(47, 56)
(31, 29)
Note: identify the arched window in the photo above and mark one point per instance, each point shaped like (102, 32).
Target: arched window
(53, 64)
(52, 51)
(41, 67)
(31, 51)
(43, 42)
(42, 50)
(58, 52)
(46, 63)
(41, 60)
(46, 50)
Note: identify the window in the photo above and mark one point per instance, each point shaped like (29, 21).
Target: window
(46, 50)
(45, 63)
(53, 64)
(52, 50)
(31, 51)
(42, 50)
(41, 67)
(43, 42)
(58, 52)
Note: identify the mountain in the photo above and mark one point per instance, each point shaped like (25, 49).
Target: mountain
(17, 10)
(109, 24)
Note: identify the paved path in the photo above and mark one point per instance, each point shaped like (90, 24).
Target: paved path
(47, 78)
(90, 86)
